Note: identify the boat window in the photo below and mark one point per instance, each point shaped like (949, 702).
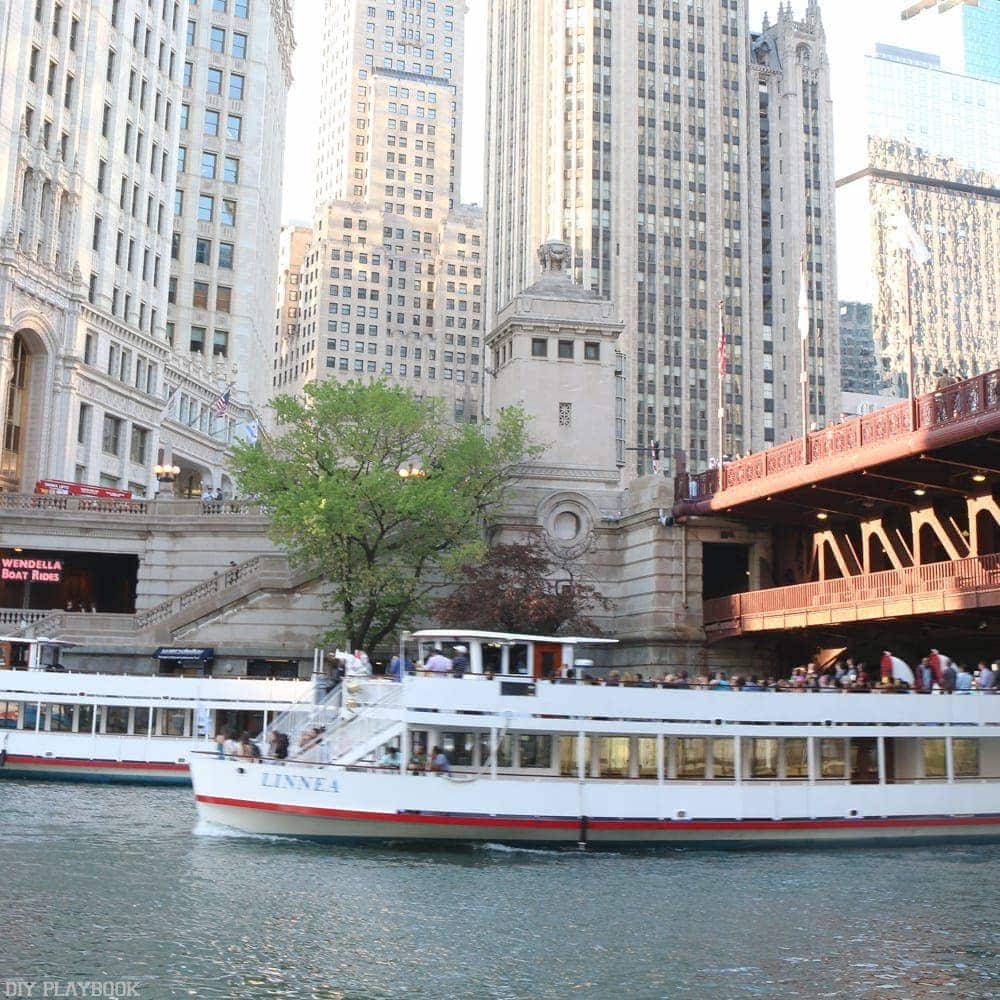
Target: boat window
(175, 721)
(763, 758)
(31, 716)
(567, 755)
(517, 658)
(492, 658)
(458, 748)
(647, 757)
(613, 752)
(966, 758)
(140, 723)
(722, 758)
(833, 761)
(505, 750)
(534, 750)
(60, 718)
(934, 760)
(8, 714)
(796, 759)
(691, 757)
(116, 719)
(84, 718)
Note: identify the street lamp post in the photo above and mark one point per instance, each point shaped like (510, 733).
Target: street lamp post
(166, 476)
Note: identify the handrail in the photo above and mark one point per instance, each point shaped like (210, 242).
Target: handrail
(974, 573)
(136, 507)
(964, 401)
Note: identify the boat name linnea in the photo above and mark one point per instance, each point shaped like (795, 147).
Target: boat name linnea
(306, 782)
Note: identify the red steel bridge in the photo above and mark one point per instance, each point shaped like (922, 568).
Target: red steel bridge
(878, 518)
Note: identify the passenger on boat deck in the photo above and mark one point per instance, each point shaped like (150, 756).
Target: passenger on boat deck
(418, 760)
(248, 748)
(987, 678)
(277, 744)
(614, 680)
(439, 762)
(963, 682)
(720, 682)
(220, 745)
(231, 745)
(438, 663)
(461, 662)
(389, 758)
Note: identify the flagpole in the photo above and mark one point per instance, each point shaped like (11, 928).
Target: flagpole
(804, 321)
(722, 389)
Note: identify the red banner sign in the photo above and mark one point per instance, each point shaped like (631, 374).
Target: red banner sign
(60, 487)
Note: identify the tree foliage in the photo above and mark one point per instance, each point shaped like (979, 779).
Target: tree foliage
(522, 587)
(330, 476)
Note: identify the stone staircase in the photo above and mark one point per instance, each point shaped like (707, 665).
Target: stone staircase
(161, 623)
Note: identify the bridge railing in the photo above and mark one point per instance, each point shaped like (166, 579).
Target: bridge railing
(970, 575)
(962, 401)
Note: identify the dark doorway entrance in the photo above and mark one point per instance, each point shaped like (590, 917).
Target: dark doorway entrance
(725, 569)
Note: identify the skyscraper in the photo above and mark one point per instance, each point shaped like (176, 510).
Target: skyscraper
(93, 99)
(686, 162)
(392, 283)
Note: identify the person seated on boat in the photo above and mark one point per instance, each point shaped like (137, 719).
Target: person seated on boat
(438, 663)
(418, 760)
(439, 762)
(827, 683)
(390, 758)
(963, 682)
(720, 682)
(231, 746)
(614, 680)
(248, 748)
(986, 678)
(752, 684)
(220, 745)
(460, 665)
(277, 744)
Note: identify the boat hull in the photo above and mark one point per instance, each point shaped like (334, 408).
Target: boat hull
(328, 803)
(102, 771)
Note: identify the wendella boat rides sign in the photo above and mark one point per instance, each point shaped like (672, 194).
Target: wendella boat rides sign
(19, 570)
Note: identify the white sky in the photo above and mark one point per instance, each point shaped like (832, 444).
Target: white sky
(852, 26)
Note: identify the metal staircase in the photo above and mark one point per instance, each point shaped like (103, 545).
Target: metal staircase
(369, 717)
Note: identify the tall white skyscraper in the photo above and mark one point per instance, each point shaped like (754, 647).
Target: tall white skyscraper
(94, 97)
(392, 284)
(686, 162)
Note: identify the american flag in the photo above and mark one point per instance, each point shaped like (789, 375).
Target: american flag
(221, 405)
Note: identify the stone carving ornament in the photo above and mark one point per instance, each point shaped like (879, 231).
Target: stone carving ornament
(555, 255)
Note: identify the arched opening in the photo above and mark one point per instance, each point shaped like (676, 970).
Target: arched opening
(19, 447)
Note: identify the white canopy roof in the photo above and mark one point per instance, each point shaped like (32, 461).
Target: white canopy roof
(472, 634)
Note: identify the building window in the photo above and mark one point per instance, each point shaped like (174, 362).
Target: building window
(236, 85)
(226, 256)
(239, 45)
(241, 8)
(206, 207)
(231, 170)
(218, 40)
(228, 212)
(220, 343)
(111, 439)
(211, 122)
(214, 85)
(223, 298)
(192, 29)
(83, 426)
(208, 165)
(203, 251)
(197, 339)
(566, 350)
(139, 445)
(199, 295)
(234, 127)
(539, 347)
(592, 351)
(188, 73)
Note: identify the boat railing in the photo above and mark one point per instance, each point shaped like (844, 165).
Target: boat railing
(307, 713)
(360, 721)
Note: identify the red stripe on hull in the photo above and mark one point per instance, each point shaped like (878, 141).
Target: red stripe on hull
(131, 765)
(513, 822)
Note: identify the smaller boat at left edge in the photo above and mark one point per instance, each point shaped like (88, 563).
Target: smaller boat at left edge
(126, 728)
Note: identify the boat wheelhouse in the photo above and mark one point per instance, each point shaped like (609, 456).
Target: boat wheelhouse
(126, 728)
(561, 760)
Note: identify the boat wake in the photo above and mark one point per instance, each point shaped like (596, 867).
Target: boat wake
(207, 828)
(512, 849)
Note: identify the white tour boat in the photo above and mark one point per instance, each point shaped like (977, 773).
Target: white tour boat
(126, 728)
(540, 755)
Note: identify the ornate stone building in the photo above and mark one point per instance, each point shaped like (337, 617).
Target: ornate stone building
(686, 161)
(94, 98)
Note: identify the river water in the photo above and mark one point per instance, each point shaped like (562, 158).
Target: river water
(104, 883)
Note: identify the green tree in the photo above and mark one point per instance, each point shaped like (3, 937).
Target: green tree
(523, 587)
(384, 543)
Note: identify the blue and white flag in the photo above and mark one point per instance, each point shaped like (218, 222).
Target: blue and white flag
(251, 432)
